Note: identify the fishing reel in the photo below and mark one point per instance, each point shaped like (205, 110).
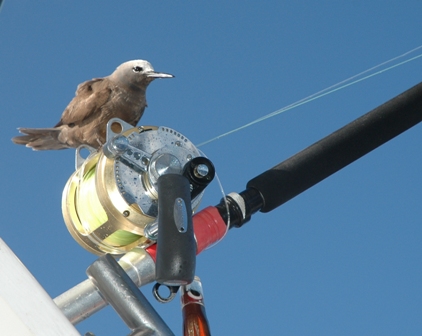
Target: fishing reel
(111, 202)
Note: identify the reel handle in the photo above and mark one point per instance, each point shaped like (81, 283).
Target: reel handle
(176, 244)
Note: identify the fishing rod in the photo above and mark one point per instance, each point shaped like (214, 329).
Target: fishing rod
(265, 192)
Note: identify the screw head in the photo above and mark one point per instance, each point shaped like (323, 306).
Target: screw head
(201, 170)
(120, 143)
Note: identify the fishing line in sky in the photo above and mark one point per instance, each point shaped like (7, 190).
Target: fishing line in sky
(331, 89)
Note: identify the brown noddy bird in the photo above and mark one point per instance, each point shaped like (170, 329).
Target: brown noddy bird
(83, 122)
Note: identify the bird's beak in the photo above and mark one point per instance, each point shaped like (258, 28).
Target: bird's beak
(154, 74)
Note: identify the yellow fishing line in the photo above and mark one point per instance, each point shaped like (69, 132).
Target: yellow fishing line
(92, 215)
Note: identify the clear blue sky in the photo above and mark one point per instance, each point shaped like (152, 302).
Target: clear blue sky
(343, 258)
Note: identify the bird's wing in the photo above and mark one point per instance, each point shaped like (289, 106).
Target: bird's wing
(90, 97)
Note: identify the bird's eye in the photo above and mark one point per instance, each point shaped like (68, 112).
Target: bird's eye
(137, 69)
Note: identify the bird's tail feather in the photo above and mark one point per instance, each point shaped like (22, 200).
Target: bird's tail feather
(40, 138)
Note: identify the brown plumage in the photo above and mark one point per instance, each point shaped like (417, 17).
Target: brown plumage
(120, 95)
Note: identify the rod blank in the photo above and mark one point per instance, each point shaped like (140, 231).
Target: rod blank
(322, 159)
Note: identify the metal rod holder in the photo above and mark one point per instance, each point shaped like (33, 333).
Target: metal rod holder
(121, 292)
(83, 300)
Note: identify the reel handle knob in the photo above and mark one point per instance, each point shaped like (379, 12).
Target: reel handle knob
(176, 244)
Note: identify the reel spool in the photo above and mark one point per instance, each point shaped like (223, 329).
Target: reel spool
(110, 203)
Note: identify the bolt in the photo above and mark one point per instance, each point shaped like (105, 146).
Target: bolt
(145, 161)
(126, 213)
(201, 170)
(120, 143)
(167, 164)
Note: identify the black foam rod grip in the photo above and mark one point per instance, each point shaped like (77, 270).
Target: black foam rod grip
(176, 245)
(310, 166)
